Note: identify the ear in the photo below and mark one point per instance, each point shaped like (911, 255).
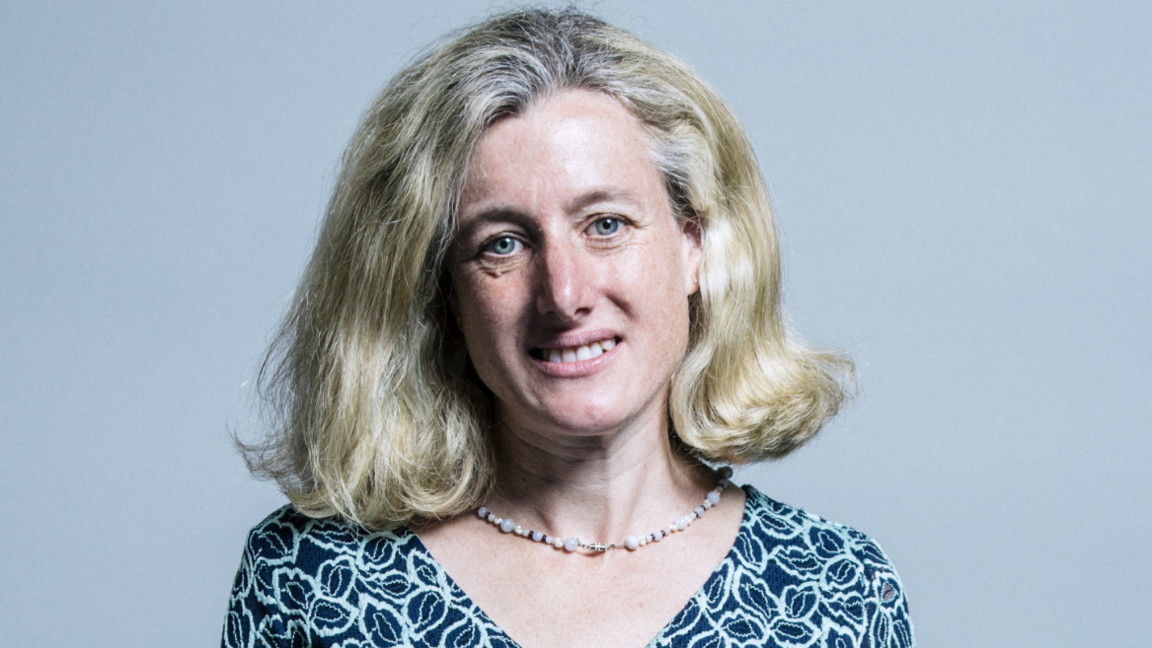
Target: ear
(691, 248)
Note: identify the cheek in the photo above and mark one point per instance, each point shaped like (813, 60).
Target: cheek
(669, 300)
(668, 266)
(485, 308)
(489, 321)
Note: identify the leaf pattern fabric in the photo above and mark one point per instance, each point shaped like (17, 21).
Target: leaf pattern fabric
(790, 580)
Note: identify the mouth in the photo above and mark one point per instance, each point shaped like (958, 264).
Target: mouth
(565, 355)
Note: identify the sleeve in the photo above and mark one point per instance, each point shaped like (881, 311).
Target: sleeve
(258, 616)
(886, 608)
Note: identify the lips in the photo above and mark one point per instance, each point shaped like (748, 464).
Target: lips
(577, 353)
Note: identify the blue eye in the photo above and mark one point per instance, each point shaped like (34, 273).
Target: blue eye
(502, 246)
(607, 226)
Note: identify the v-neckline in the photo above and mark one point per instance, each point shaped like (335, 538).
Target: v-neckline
(717, 573)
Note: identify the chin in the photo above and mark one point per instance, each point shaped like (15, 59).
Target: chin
(590, 417)
(588, 425)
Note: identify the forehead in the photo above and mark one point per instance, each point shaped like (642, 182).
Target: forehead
(576, 141)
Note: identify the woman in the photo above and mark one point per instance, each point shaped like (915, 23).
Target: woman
(544, 296)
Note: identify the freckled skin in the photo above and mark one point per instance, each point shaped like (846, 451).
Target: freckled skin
(566, 235)
(566, 227)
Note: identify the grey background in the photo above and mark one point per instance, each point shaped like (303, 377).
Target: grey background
(963, 190)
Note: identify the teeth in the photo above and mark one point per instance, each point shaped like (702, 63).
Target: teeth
(585, 352)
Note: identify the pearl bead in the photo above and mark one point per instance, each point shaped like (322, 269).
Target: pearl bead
(631, 543)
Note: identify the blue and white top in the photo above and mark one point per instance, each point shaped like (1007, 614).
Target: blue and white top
(791, 579)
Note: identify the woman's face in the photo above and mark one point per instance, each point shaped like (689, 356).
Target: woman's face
(571, 276)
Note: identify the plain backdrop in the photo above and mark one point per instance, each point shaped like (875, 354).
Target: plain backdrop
(963, 190)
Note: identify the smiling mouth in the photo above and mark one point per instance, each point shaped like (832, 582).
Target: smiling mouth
(575, 354)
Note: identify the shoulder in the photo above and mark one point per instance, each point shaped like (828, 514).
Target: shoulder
(328, 582)
(290, 538)
(820, 573)
(294, 560)
(803, 536)
(306, 577)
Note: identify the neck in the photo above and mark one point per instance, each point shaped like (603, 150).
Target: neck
(603, 486)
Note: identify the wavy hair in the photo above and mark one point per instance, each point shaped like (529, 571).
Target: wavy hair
(374, 412)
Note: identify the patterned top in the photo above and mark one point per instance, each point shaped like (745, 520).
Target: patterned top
(791, 579)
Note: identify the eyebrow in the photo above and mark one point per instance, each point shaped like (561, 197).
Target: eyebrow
(602, 196)
(494, 215)
(501, 213)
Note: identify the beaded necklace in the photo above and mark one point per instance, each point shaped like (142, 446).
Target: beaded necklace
(631, 543)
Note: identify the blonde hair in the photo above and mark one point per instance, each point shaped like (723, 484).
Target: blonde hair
(375, 413)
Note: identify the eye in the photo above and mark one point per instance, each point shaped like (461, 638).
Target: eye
(606, 226)
(501, 246)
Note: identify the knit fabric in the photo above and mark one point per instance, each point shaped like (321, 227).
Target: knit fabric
(791, 579)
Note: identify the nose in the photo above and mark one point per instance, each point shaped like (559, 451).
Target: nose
(566, 288)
